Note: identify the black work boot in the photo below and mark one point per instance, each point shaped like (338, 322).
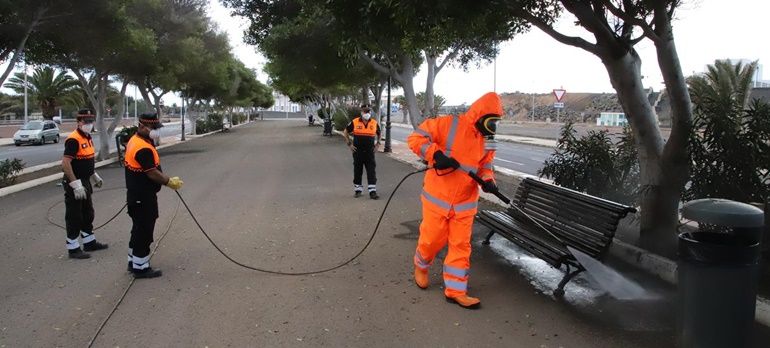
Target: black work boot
(357, 194)
(130, 266)
(147, 273)
(94, 246)
(78, 254)
(373, 195)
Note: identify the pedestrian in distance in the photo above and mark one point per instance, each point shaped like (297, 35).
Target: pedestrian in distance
(453, 146)
(144, 178)
(79, 175)
(366, 141)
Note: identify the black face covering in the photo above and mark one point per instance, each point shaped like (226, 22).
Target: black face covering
(487, 124)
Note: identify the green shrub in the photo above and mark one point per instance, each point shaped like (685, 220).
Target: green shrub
(126, 133)
(200, 126)
(9, 169)
(320, 113)
(238, 119)
(340, 119)
(214, 122)
(730, 153)
(595, 165)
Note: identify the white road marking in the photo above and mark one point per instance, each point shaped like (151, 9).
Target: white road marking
(505, 160)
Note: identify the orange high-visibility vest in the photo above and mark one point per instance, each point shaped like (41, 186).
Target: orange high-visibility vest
(135, 144)
(85, 146)
(364, 130)
(457, 137)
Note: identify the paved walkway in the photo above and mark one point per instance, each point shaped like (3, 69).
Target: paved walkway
(278, 195)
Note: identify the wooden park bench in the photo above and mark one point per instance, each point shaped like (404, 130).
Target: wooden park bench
(583, 222)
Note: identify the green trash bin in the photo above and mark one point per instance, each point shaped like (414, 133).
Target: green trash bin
(718, 273)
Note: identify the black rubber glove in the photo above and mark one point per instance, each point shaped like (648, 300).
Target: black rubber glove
(441, 161)
(489, 186)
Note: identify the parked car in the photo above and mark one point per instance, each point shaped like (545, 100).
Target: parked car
(37, 132)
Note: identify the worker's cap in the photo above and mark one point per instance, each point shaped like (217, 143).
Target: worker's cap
(150, 119)
(85, 115)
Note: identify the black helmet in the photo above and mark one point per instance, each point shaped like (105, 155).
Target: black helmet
(150, 119)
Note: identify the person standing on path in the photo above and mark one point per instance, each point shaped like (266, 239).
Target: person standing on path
(78, 167)
(454, 146)
(144, 178)
(366, 141)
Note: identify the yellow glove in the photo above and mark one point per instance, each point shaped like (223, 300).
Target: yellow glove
(175, 183)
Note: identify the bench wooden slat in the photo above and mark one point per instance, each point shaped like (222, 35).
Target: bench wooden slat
(592, 246)
(558, 212)
(580, 221)
(583, 197)
(579, 207)
(528, 241)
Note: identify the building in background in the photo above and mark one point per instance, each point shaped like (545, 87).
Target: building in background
(612, 119)
(283, 103)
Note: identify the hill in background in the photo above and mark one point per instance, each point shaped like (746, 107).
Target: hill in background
(577, 106)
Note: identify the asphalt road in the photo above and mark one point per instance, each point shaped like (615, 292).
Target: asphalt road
(519, 157)
(33, 155)
(278, 195)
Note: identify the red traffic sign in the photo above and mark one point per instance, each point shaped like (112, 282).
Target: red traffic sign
(559, 93)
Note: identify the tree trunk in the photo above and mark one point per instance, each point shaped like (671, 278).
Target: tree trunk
(659, 197)
(377, 89)
(145, 95)
(406, 78)
(121, 111)
(20, 48)
(430, 100)
(98, 100)
(48, 108)
(364, 94)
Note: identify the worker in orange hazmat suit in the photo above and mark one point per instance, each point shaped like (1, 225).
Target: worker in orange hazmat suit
(454, 146)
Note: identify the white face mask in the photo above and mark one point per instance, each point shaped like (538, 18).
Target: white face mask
(88, 127)
(155, 134)
(366, 116)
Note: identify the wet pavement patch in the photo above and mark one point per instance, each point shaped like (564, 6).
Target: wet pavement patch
(587, 299)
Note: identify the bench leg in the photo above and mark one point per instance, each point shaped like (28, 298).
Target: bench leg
(559, 292)
(486, 240)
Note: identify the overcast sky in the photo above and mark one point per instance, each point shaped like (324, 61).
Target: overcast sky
(704, 30)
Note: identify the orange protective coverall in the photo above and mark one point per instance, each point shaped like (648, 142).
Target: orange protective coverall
(450, 198)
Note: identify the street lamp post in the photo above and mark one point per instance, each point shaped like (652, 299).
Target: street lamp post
(387, 123)
(26, 107)
(135, 120)
(533, 106)
(183, 116)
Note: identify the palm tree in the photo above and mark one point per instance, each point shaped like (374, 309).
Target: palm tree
(724, 85)
(80, 98)
(49, 87)
(728, 147)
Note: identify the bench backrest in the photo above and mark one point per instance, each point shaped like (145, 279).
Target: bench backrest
(584, 222)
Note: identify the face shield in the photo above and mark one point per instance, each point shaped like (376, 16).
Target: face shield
(487, 125)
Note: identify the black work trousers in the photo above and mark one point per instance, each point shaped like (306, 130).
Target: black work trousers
(79, 213)
(143, 213)
(364, 158)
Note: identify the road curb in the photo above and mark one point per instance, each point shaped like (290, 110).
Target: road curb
(53, 177)
(523, 142)
(659, 266)
(504, 137)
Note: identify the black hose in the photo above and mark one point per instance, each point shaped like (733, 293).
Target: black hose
(48, 214)
(374, 233)
(157, 245)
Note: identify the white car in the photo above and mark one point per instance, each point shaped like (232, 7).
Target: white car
(37, 132)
